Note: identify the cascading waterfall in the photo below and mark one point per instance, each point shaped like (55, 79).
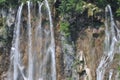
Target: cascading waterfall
(36, 61)
(30, 59)
(52, 44)
(111, 38)
(15, 53)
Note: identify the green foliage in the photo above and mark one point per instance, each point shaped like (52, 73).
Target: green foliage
(72, 10)
(101, 3)
(92, 9)
(119, 69)
(70, 6)
(115, 4)
(1, 1)
(64, 27)
(8, 3)
(14, 3)
(118, 12)
(68, 9)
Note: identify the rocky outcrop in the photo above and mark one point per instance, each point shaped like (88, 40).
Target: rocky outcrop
(59, 54)
(7, 19)
(91, 42)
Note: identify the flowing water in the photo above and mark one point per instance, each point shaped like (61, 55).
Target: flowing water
(33, 46)
(30, 56)
(112, 36)
(15, 48)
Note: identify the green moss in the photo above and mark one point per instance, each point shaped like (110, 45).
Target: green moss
(69, 78)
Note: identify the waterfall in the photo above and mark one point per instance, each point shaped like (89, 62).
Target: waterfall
(30, 59)
(52, 45)
(33, 45)
(111, 38)
(15, 53)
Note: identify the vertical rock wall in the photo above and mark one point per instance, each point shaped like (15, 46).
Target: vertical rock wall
(91, 42)
(7, 19)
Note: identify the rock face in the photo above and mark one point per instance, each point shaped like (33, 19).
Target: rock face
(7, 19)
(92, 47)
(81, 59)
(59, 54)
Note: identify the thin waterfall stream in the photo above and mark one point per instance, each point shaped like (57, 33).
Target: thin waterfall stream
(34, 57)
(30, 56)
(15, 53)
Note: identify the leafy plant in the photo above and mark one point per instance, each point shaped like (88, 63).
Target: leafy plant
(118, 12)
(70, 6)
(64, 27)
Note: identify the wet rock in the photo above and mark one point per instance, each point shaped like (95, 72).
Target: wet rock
(10, 18)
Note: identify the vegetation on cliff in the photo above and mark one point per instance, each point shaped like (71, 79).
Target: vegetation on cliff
(82, 13)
